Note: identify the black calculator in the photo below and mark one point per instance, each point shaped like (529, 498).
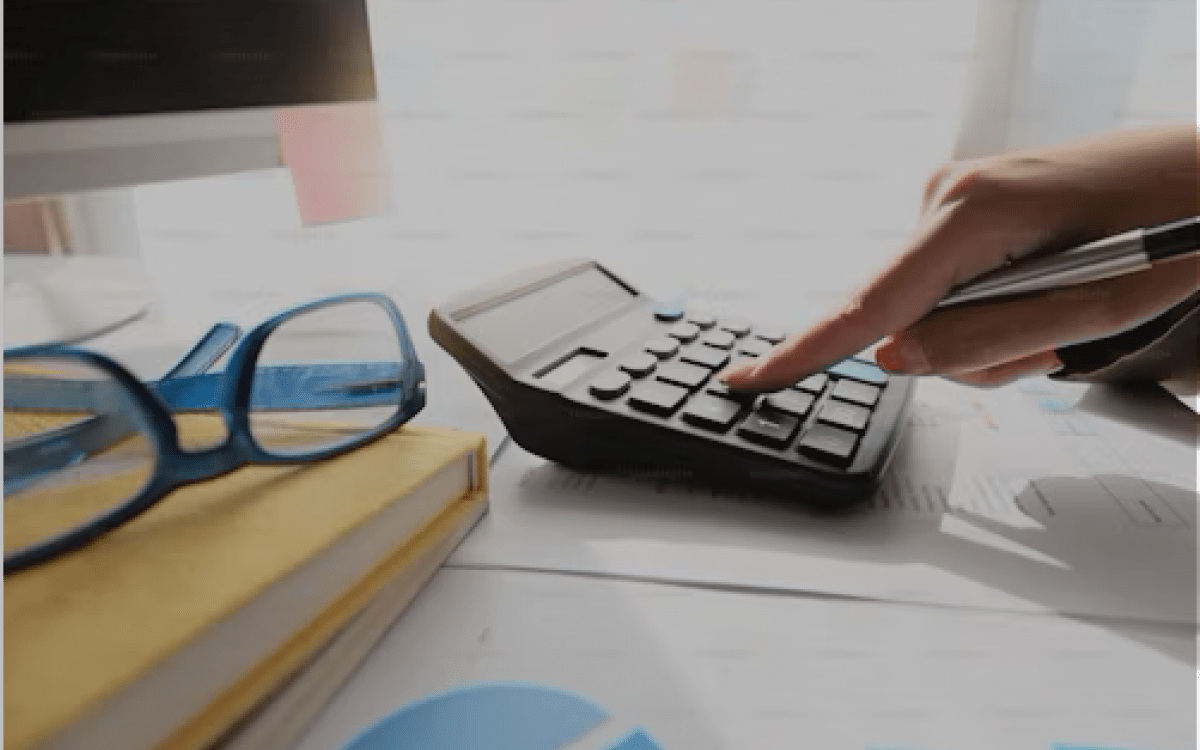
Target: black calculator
(586, 371)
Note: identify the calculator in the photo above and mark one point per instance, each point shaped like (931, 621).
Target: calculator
(585, 370)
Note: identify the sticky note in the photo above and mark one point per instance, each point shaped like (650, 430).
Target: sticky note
(337, 159)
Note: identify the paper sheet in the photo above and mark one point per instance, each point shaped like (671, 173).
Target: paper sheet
(1015, 499)
(706, 670)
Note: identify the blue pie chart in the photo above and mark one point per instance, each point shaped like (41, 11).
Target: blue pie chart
(494, 716)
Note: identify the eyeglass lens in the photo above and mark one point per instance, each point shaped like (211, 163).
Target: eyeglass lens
(325, 377)
(74, 447)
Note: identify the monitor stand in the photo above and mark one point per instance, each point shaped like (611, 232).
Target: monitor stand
(70, 299)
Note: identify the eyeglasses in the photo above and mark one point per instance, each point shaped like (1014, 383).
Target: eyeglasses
(88, 446)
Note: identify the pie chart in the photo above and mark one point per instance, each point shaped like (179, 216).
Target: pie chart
(495, 716)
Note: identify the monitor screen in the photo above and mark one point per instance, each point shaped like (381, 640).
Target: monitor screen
(99, 58)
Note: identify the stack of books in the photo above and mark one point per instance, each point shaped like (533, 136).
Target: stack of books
(230, 613)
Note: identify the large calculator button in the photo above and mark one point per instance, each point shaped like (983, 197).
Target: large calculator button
(828, 444)
(773, 429)
(706, 356)
(609, 385)
(770, 335)
(658, 398)
(753, 347)
(704, 320)
(712, 412)
(792, 402)
(688, 376)
(663, 348)
(685, 332)
(639, 365)
(736, 327)
(719, 339)
(813, 383)
(843, 414)
(668, 312)
(859, 370)
(717, 388)
(859, 393)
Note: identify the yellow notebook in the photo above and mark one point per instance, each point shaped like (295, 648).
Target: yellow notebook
(166, 632)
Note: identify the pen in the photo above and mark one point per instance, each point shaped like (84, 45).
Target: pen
(1117, 255)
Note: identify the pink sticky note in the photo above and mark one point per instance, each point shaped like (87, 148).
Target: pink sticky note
(337, 159)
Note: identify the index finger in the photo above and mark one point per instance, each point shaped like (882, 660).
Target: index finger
(959, 241)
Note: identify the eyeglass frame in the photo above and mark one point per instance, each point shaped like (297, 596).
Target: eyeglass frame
(175, 467)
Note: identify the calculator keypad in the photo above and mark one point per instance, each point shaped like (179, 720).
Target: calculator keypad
(719, 339)
(656, 397)
(685, 332)
(712, 412)
(829, 444)
(640, 364)
(663, 348)
(792, 402)
(753, 347)
(822, 417)
(770, 428)
(683, 374)
(609, 385)
(859, 393)
(846, 415)
(736, 327)
(705, 356)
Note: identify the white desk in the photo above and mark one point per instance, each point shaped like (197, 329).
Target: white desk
(756, 158)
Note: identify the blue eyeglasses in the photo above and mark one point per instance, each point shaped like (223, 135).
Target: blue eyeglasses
(88, 446)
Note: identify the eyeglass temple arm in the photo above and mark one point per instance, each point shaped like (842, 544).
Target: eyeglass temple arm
(340, 385)
(26, 459)
(328, 385)
(205, 352)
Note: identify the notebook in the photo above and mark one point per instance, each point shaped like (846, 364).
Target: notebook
(174, 628)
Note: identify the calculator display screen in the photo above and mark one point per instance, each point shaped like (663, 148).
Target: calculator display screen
(515, 327)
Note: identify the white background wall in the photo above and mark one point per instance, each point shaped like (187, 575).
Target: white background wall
(681, 141)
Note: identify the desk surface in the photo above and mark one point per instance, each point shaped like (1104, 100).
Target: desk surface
(756, 158)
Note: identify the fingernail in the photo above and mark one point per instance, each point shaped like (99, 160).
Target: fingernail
(902, 355)
(735, 374)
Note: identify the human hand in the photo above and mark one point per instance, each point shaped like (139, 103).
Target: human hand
(977, 216)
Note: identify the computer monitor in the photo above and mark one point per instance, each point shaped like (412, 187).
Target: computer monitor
(104, 93)
(113, 93)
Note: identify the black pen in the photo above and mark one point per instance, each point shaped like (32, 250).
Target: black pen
(1131, 251)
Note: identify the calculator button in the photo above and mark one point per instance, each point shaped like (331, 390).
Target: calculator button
(736, 327)
(658, 398)
(859, 393)
(685, 332)
(717, 388)
(663, 348)
(688, 376)
(792, 402)
(639, 365)
(843, 414)
(705, 356)
(859, 370)
(712, 412)
(719, 339)
(704, 320)
(773, 429)
(741, 359)
(828, 444)
(813, 383)
(770, 335)
(753, 347)
(609, 385)
(668, 312)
